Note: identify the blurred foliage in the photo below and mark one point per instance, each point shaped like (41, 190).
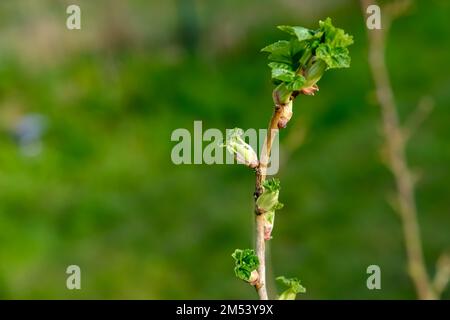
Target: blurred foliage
(104, 194)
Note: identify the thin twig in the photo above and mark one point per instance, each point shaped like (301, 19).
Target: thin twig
(442, 276)
(260, 178)
(396, 158)
(420, 114)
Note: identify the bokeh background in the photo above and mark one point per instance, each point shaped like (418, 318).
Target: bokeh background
(86, 176)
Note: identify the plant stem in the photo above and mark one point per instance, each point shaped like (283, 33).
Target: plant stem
(259, 219)
(395, 146)
(261, 253)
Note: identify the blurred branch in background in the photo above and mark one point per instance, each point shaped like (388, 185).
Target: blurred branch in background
(396, 137)
(442, 275)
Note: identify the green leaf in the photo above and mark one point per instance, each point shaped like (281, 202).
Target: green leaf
(294, 287)
(337, 57)
(287, 52)
(246, 262)
(300, 62)
(296, 83)
(279, 65)
(300, 32)
(279, 46)
(242, 151)
(280, 51)
(268, 200)
(283, 74)
(335, 37)
(278, 206)
(333, 50)
(272, 184)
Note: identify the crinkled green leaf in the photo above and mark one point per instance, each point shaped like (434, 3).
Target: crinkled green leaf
(272, 184)
(279, 46)
(268, 200)
(279, 68)
(246, 261)
(279, 65)
(294, 287)
(334, 48)
(300, 32)
(296, 83)
(292, 60)
(280, 51)
(287, 52)
(242, 151)
(283, 74)
(337, 57)
(335, 37)
(292, 283)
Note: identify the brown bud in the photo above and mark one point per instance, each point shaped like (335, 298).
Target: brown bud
(286, 115)
(310, 91)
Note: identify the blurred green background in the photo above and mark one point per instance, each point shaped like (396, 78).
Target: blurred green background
(86, 176)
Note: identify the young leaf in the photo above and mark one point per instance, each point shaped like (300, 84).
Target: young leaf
(334, 57)
(335, 37)
(268, 203)
(246, 263)
(280, 65)
(334, 49)
(268, 200)
(296, 83)
(283, 74)
(280, 51)
(300, 32)
(242, 151)
(297, 65)
(279, 46)
(294, 287)
(272, 185)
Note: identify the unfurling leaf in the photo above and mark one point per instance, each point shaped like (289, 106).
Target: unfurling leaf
(294, 287)
(280, 51)
(334, 57)
(267, 203)
(268, 200)
(298, 64)
(300, 32)
(272, 185)
(246, 263)
(283, 74)
(242, 151)
(335, 37)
